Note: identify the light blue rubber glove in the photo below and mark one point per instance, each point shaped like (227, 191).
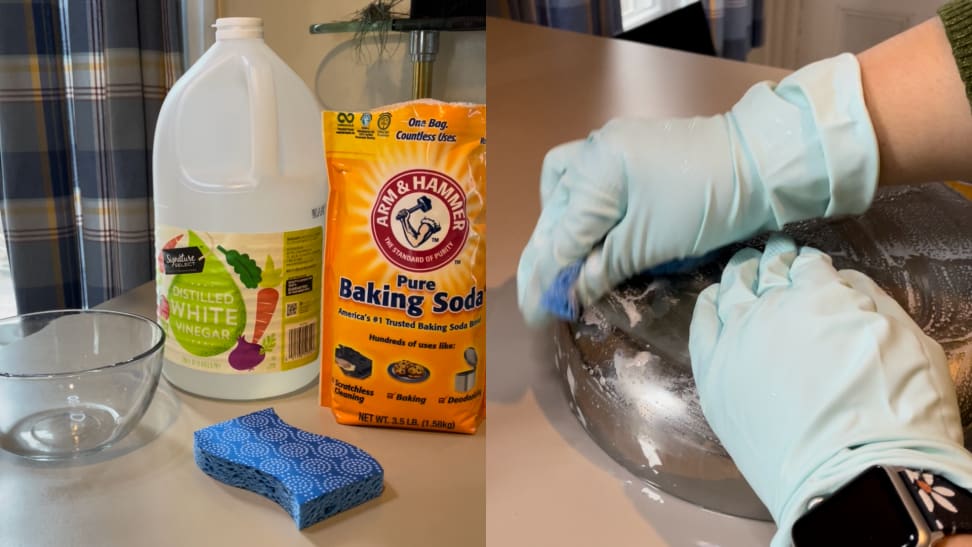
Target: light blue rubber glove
(638, 193)
(809, 376)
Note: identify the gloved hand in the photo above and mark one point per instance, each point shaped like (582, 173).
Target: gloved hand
(638, 193)
(809, 376)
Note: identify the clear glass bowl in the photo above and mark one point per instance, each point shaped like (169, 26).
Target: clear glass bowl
(75, 381)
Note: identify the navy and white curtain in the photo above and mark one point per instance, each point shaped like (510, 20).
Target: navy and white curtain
(602, 17)
(736, 25)
(81, 84)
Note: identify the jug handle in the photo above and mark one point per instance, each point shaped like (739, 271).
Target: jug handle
(264, 140)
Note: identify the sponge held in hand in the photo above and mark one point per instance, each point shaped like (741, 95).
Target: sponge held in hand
(311, 476)
(560, 300)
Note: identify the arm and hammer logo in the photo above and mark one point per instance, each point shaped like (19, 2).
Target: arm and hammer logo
(365, 120)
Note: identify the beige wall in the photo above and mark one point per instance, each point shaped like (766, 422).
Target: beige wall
(331, 66)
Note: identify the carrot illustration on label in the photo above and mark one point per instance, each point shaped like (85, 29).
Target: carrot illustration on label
(271, 275)
(248, 354)
(267, 298)
(266, 304)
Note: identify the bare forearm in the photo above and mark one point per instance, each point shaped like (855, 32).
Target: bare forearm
(918, 106)
(921, 117)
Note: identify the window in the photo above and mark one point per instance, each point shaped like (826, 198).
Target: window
(635, 13)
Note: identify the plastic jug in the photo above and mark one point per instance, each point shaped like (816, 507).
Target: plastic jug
(240, 195)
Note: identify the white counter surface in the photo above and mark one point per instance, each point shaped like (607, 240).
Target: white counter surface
(147, 491)
(547, 482)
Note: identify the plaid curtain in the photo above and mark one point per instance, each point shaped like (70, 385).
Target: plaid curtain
(602, 17)
(736, 26)
(81, 84)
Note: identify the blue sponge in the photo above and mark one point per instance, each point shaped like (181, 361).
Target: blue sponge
(561, 301)
(309, 475)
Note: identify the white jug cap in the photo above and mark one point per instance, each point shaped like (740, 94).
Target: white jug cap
(238, 27)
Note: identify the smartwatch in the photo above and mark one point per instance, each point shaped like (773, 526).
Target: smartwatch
(887, 506)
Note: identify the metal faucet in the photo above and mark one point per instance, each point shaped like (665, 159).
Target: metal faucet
(423, 41)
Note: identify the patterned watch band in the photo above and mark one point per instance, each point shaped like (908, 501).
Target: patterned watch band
(946, 507)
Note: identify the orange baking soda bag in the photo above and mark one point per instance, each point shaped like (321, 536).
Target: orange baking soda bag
(404, 336)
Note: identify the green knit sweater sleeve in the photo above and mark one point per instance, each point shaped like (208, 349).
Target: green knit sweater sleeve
(957, 18)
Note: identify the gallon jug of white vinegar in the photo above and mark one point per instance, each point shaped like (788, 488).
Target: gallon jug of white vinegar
(240, 192)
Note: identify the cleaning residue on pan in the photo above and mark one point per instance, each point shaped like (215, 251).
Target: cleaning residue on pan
(627, 370)
(659, 305)
(592, 317)
(574, 408)
(652, 494)
(651, 453)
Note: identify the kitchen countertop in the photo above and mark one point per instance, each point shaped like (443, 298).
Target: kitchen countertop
(147, 490)
(547, 482)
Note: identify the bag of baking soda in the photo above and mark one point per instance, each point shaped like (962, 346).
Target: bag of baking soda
(404, 335)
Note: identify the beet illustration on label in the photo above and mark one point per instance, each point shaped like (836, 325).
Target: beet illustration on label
(247, 355)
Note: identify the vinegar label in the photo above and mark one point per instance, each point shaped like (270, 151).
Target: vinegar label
(239, 303)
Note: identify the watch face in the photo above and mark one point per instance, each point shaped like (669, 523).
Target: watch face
(867, 511)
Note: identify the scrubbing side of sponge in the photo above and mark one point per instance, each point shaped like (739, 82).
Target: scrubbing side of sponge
(560, 299)
(311, 476)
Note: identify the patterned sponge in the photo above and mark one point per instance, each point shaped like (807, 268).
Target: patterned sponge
(312, 477)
